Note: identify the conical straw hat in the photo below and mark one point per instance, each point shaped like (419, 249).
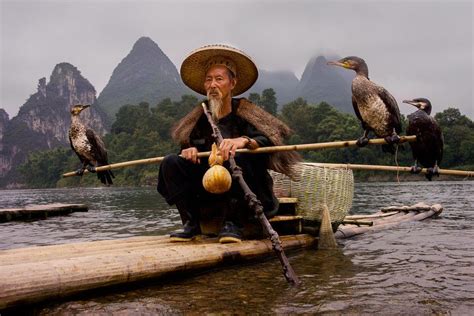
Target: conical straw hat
(195, 66)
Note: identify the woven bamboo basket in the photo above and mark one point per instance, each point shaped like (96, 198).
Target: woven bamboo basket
(315, 187)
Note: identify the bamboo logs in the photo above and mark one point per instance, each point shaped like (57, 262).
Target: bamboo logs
(381, 220)
(40, 211)
(34, 274)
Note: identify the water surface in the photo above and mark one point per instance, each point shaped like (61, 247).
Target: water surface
(414, 268)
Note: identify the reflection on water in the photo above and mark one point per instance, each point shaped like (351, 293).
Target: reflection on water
(415, 268)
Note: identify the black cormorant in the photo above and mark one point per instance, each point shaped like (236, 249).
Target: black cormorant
(375, 107)
(428, 148)
(88, 146)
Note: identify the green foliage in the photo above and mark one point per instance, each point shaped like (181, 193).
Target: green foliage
(141, 131)
(254, 98)
(267, 100)
(43, 168)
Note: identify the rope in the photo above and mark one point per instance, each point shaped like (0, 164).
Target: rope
(396, 163)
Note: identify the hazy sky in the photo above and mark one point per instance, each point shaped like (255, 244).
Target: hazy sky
(412, 48)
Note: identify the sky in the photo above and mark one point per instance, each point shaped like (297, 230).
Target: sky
(414, 49)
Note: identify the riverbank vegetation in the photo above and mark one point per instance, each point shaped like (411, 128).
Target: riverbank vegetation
(142, 131)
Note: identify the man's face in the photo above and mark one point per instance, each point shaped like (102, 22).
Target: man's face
(218, 83)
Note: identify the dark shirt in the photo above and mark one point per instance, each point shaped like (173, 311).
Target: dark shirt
(254, 166)
(231, 126)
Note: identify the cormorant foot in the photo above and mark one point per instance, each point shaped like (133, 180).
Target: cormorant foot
(91, 169)
(430, 172)
(436, 170)
(393, 139)
(79, 172)
(363, 141)
(415, 169)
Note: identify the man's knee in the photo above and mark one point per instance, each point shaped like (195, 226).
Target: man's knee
(171, 161)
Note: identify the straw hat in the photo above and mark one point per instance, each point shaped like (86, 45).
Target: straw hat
(195, 66)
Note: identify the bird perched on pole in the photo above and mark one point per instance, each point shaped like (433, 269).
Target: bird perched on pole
(428, 148)
(374, 106)
(88, 146)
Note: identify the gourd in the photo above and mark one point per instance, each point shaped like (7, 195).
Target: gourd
(217, 179)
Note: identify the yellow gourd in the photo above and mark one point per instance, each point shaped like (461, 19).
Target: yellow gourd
(217, 179)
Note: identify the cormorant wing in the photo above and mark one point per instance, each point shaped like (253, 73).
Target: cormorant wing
(356, 110)
(97, 147)
(392, 107)
(81, 158)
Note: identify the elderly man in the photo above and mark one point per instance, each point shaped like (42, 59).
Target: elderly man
(220, 72)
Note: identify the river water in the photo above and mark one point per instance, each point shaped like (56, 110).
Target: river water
(416, 268)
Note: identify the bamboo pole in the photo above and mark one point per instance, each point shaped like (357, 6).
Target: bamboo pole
(451, 172)
(254, 204)
(262, 150)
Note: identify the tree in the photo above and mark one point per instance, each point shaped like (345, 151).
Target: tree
(254, 98)
(43, 169)
(268, 101)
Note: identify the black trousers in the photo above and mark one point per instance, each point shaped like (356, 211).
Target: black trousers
(180, 183)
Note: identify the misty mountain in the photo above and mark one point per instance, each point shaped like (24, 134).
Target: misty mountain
(145, 74)
(318, 83)
(284, 83)
(43, 121)
(330, 84)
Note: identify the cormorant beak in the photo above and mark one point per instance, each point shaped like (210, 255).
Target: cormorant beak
(414, 103)
(85, 106)
(337, 63)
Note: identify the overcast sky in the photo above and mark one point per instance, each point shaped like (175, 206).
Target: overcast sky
(413, 48)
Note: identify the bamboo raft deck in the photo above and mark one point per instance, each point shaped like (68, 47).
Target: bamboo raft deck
(30, 212)
(34, 274)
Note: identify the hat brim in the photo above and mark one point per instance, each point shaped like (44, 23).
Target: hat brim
(193, 69)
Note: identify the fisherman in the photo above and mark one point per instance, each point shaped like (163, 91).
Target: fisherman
(221, 72)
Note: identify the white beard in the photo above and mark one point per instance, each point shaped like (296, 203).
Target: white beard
(216, 107)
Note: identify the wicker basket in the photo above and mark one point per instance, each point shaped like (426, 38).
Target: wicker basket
(318, 186)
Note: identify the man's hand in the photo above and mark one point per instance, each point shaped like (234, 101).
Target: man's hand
(230, 145)
(190, 154)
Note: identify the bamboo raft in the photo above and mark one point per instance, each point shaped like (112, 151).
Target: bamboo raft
(35, 274)
(386, 218)
(30, 212)
(30, 275)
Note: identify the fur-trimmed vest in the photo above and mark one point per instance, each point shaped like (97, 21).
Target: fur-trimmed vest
(266, 123)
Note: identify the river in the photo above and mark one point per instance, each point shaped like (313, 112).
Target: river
(416, 268)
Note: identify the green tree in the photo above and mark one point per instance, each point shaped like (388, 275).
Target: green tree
(43, 169)
(268, 101)
(254, 98)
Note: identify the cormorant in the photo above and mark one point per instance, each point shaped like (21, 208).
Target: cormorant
(428, 148)
(375, 107)
(88, 146)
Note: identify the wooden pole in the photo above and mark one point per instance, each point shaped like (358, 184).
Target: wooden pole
(451, 172)
(254, 204)
(262, 150)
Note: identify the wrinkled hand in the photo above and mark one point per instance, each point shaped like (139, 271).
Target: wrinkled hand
(190, 154)
(229, 145)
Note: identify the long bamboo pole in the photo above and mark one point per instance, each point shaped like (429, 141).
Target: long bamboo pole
(270, 149)
(451, 172)
(254, 204)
